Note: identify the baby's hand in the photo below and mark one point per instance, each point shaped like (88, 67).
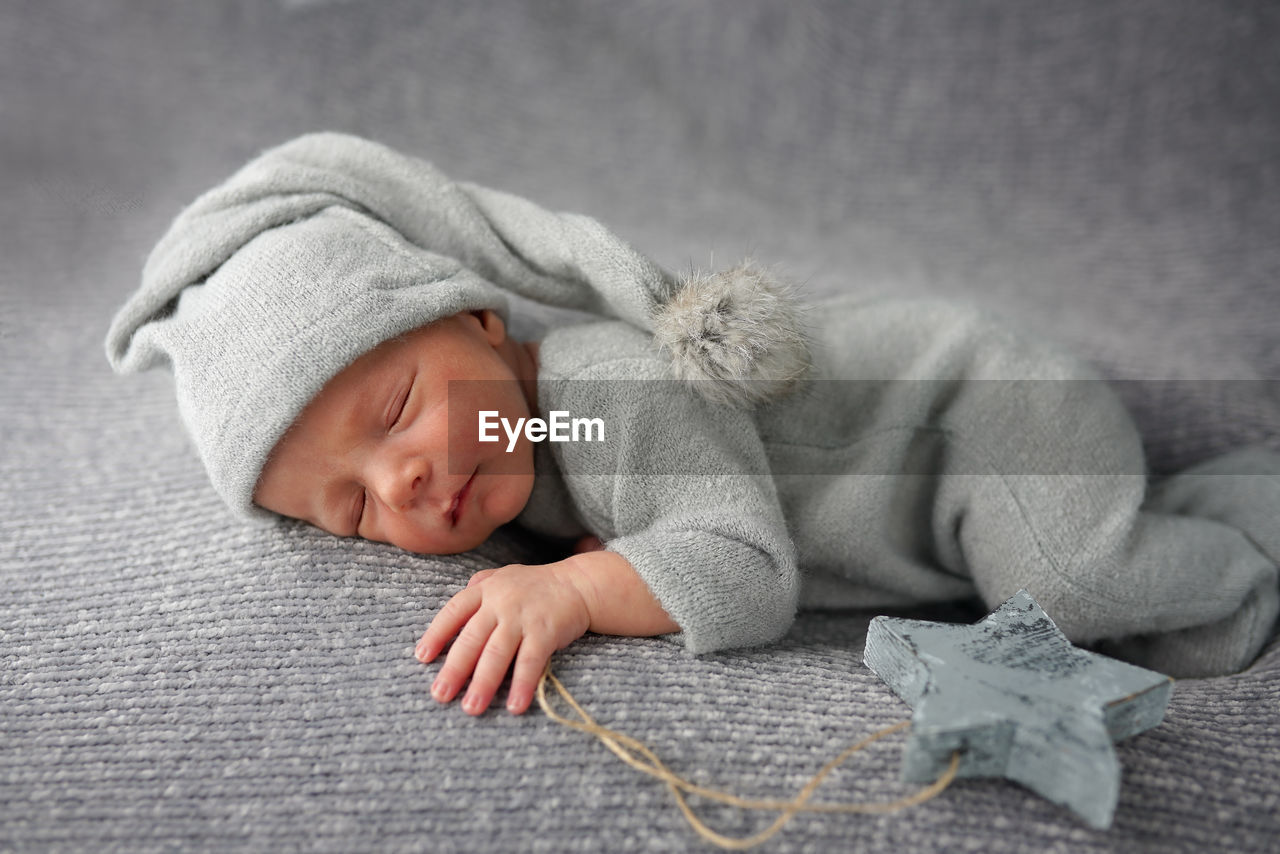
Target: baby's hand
(517, 612)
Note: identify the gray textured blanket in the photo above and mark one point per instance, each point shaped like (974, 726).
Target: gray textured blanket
(171, 680)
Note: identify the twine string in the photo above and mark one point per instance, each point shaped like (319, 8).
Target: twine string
(630, 751)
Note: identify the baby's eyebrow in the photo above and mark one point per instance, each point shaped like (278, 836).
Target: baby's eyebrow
(373, 397)
(364, 407)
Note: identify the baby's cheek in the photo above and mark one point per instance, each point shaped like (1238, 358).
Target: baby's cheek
(506, 498)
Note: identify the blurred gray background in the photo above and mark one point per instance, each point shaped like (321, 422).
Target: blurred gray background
(1105, 173)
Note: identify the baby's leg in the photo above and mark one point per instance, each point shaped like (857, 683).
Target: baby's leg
(1234, 497)
(1033, 475)
(1181, 579)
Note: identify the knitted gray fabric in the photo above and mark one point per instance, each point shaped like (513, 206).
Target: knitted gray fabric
(324, 247)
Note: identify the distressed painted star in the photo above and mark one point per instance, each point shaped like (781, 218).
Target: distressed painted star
(1019, 701)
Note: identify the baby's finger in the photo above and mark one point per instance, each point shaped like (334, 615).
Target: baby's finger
(530, 662)
(462, 656)
(450, 619)
(491, 669)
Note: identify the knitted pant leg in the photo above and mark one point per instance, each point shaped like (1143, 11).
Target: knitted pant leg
(1181, 578)
(1188, 595)
(1042, 484)
(1240, 491)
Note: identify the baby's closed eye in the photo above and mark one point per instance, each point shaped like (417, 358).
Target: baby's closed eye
(399, 403)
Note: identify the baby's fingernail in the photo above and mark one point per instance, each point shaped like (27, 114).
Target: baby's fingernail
(440, 691)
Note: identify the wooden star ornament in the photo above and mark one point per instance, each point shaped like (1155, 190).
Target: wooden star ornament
(1019, 701)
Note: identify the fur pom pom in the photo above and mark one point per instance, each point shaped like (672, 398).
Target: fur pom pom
(736, 334)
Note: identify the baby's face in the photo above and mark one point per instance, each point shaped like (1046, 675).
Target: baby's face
(376, 455)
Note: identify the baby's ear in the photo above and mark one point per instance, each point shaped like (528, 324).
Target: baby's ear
(494, 329)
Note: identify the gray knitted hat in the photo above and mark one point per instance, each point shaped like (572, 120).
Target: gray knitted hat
(322, 248)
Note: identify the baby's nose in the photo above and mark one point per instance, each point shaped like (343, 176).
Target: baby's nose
(412, 492)
(401, 483)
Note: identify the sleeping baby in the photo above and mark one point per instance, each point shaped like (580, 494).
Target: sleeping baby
(717, 455)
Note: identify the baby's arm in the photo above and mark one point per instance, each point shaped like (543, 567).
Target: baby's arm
(526, 613)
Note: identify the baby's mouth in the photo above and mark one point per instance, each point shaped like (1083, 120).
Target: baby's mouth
(455, 509)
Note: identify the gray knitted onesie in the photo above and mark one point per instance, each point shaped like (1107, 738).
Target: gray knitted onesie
(933, 454)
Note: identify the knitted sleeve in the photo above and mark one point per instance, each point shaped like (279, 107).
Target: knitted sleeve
(681, 488)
